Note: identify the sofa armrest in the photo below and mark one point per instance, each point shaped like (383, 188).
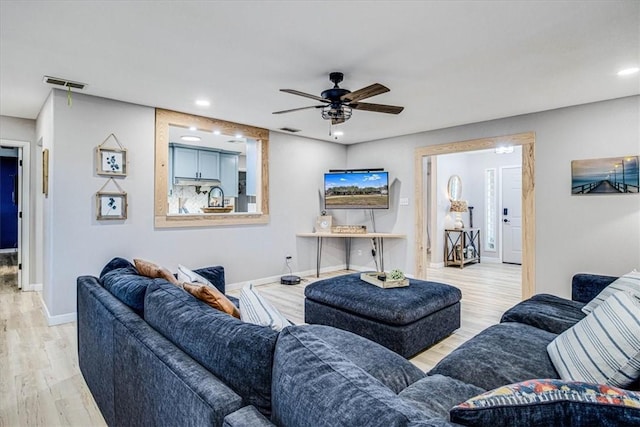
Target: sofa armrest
(215, 275)
(248, 416)
(585, 287)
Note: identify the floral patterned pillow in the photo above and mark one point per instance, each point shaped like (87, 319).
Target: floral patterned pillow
(550, 402)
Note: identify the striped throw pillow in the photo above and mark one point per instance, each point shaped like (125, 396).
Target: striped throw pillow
(628, 282)
(604, 347)
(257, 310)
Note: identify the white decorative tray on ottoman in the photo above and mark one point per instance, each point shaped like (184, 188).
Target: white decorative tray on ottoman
(372, 278)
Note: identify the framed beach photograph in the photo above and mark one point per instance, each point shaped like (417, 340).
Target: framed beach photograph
(111, 161)
(111, 205)
(612, 175)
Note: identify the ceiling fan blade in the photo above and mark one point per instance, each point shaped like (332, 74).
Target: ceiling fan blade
(306, 95)
(365, 92)
(298, 109)
(378, 108)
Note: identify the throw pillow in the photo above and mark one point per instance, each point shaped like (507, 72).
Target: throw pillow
(189, 276)
(604, 347)
(257, 310)
(629, 282)
(212, 297)
(550, 402)
(149, 269)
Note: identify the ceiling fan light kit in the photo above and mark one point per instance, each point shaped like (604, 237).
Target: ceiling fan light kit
(339, 103)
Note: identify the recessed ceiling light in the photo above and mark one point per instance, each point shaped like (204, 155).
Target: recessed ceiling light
(216, 132)
(238, 135)
(193, 128)
(202, 103)
(628, 71)
(338, 133)
(190, 138)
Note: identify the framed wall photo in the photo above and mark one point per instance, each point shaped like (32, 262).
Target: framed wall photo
(612, 175)
(111, 161)
(111, 205)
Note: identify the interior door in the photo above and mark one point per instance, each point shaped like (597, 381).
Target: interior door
(512, 215)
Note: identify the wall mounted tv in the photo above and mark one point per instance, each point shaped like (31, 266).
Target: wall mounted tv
(356, 190)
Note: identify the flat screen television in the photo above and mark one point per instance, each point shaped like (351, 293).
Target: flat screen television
(356, 190)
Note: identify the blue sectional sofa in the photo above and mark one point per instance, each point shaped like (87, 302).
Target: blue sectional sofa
(153, 355)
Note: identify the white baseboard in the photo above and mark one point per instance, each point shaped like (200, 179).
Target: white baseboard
(32, 287)
(58, 319)
(491, 260)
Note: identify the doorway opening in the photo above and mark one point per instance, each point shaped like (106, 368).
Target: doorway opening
(527, 142)
(14, 218)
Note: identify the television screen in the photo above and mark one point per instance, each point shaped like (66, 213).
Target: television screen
(356, 190)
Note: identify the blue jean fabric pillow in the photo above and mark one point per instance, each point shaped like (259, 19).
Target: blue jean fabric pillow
(551, 402)
(114, 264)
(128, 286)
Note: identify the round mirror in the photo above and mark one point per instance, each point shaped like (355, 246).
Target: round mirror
(455, 188)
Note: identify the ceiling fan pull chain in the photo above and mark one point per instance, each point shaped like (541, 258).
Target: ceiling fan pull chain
(69, 100)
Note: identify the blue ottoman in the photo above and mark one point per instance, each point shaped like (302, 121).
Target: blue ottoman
(406, 320)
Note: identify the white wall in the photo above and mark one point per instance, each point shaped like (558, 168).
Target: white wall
(598, 233)
(79, 244)
(16, 129)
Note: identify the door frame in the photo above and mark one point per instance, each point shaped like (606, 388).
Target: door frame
(527, 141)
(24, 197)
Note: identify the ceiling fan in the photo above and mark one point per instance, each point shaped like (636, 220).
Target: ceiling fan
(338, 103)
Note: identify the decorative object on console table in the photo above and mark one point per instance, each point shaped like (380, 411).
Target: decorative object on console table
(111, 161)
(323, 223)
(348, 229)
(459, 206)
(111, 204)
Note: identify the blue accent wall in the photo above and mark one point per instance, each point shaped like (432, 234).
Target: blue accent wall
(8, 202)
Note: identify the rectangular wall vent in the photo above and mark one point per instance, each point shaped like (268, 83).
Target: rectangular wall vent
(63, 82)
(292, 130)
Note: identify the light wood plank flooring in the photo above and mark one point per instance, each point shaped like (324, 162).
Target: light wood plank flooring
(41, 384)
(488, 290)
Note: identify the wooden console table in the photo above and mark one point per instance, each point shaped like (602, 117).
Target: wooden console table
(461, 246)
(379, 238)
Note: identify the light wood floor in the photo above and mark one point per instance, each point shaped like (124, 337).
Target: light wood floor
(41, 384)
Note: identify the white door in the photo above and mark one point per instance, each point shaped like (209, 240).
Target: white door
(512, 215)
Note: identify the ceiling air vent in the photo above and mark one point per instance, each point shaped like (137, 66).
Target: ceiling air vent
(63, 82)
(292, 130)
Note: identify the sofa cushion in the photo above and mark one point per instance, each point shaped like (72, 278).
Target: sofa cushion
(386, 366)
(128, 286)
(548, 312)
(212, 297)
(604, 347)
(629, 282)
(551, 403)
(501, 354)
(116, 262)
(313, 384)
(437, 393)
(215, 276)
(254, 308)
(239, 353)
(149, 269)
